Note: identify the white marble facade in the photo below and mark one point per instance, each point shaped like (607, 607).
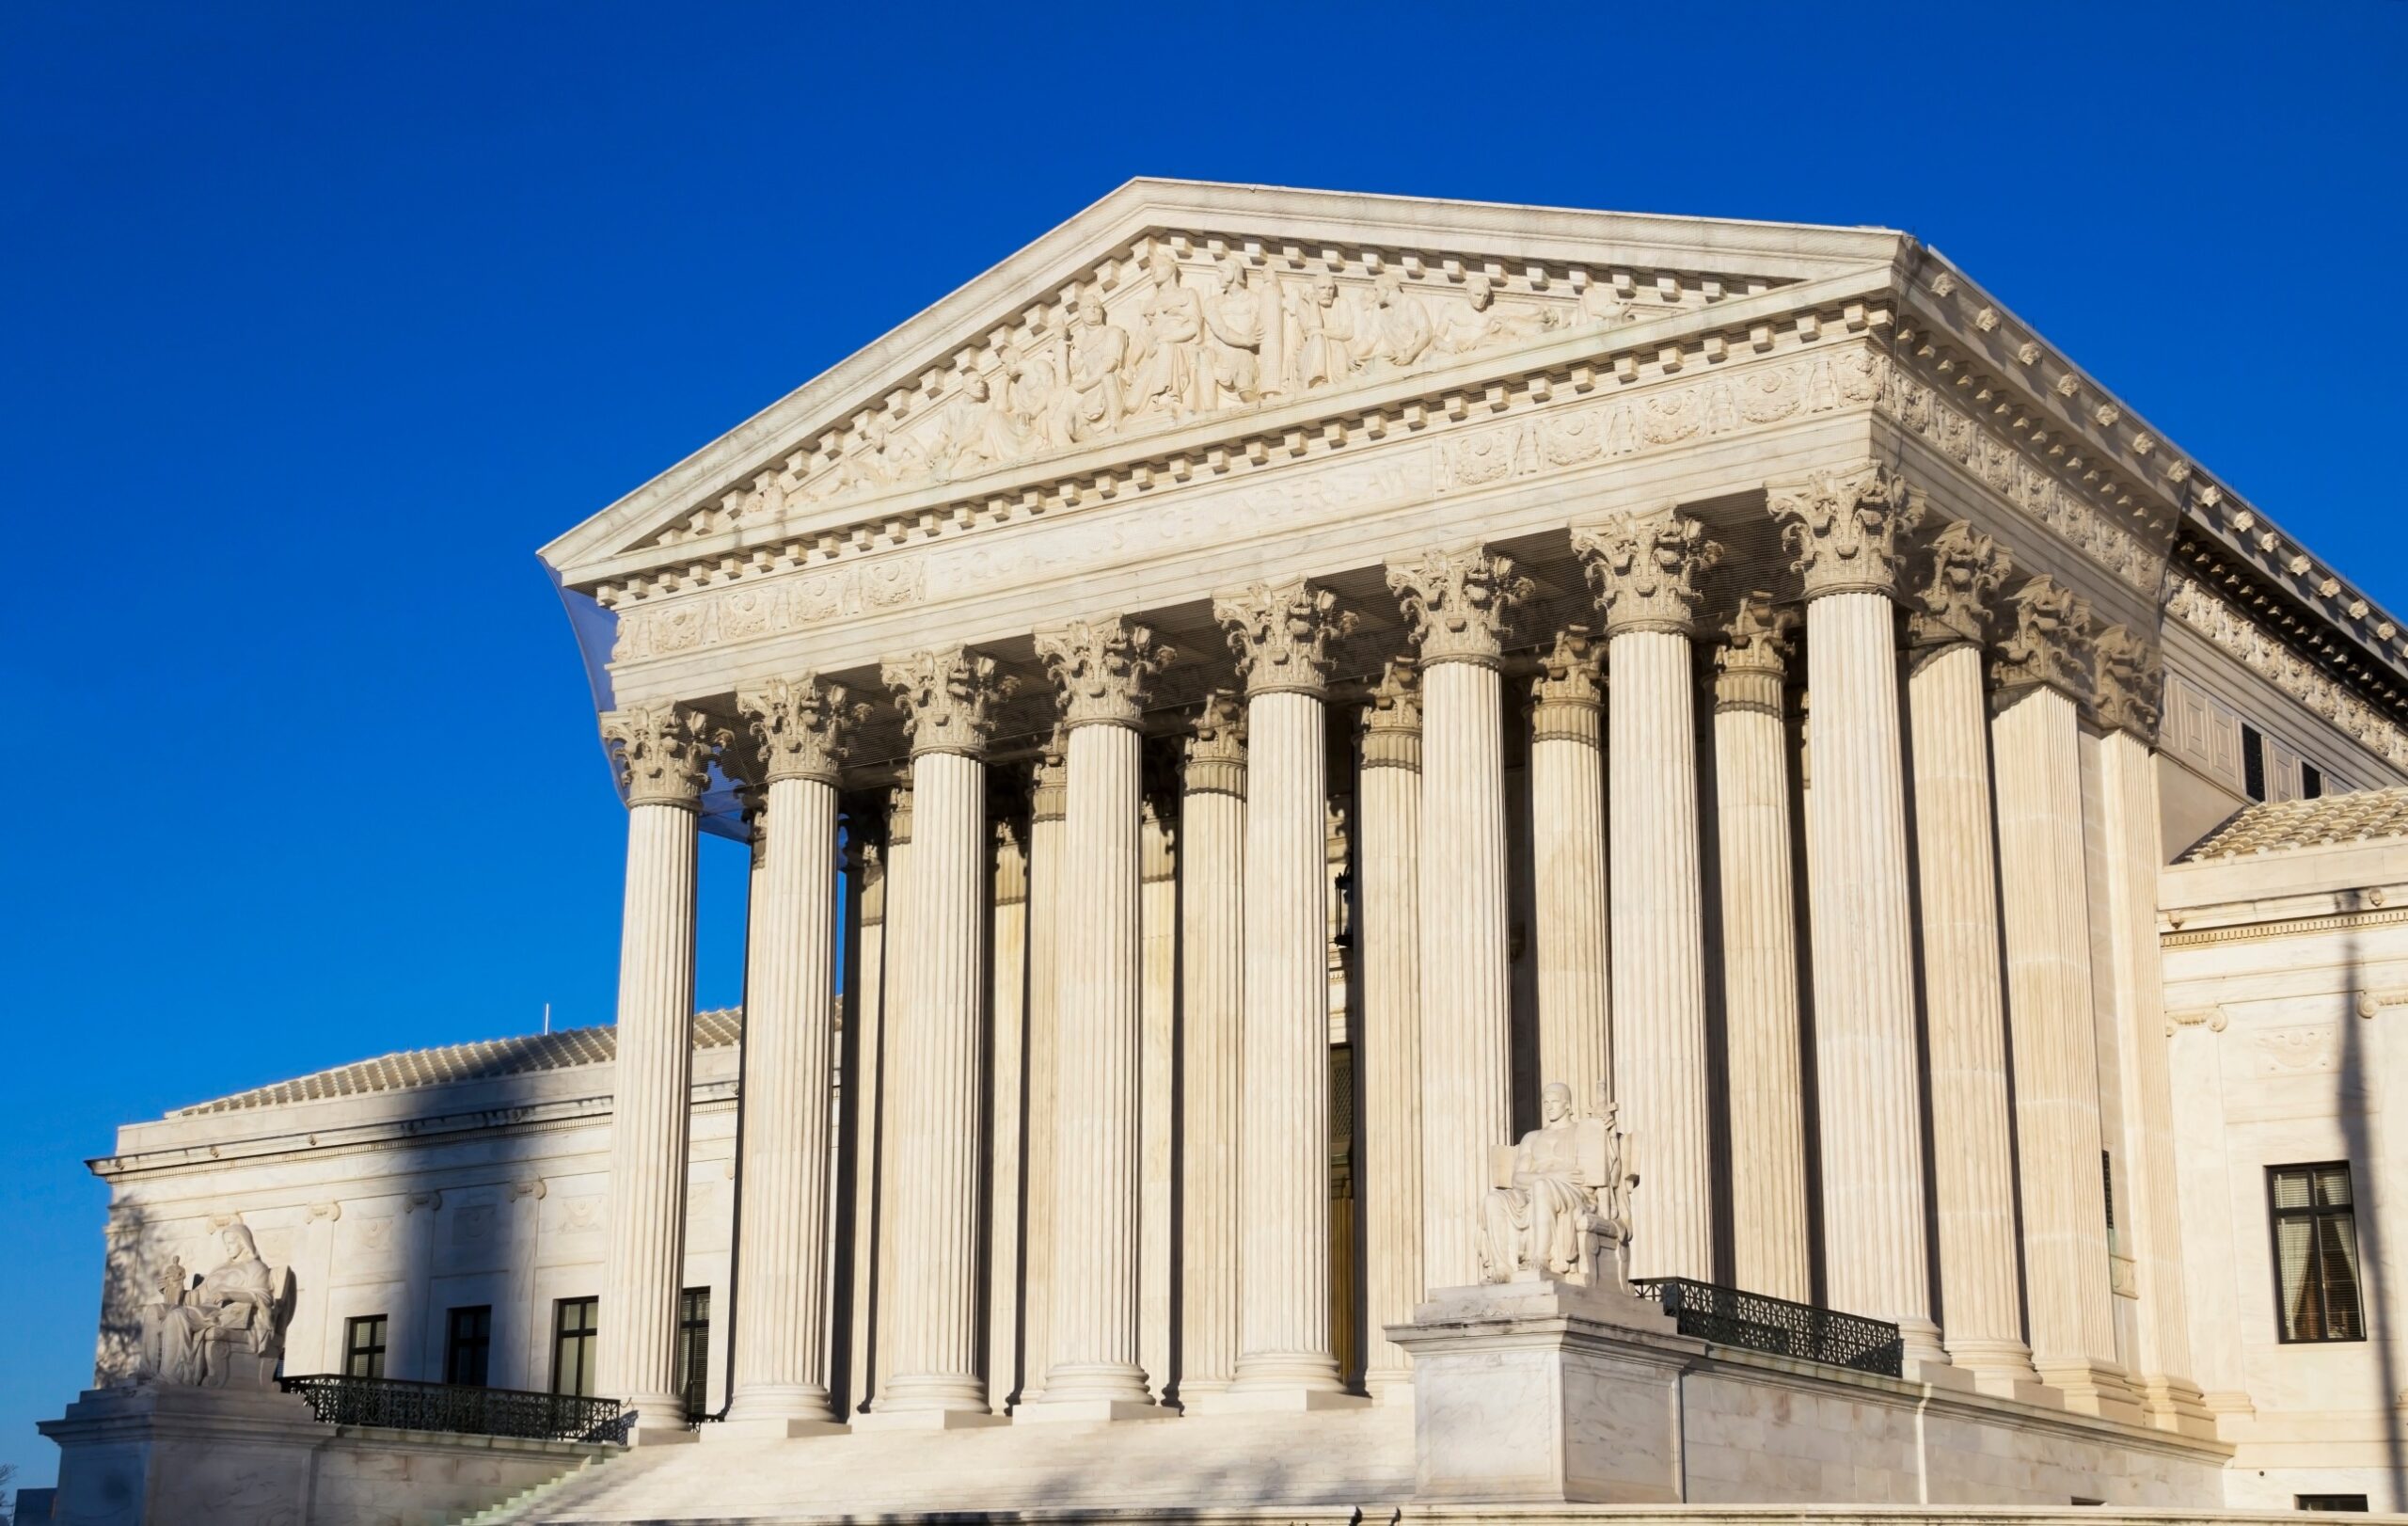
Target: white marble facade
(1240, 697)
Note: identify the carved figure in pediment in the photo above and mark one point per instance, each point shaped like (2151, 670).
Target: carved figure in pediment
(1559, 1206)
(1234, 315)
(1167, 362)
(1032, 398)
(228, 1329)
(1491, 321)
(1320, 334)
(975, 431)
(1099, 353)
(1600, 304)
(1397, 331)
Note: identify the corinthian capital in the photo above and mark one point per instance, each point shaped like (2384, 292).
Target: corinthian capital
(1751, 664)
(2050, 643)
(1460, 599)
(2128, 680)
(1841, 525)
(1392, 720)
(1048, 780)
(663, 753)
(1214, 762)
(800, 726)
(1102, 668)
(1281, 634)
(1644, 566)
(1572, 671)
(948, 697)
(1967, 568)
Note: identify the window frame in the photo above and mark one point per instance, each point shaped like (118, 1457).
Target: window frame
(587, 1336)
(694, 1349)
(2276, 1216)
(480, 1343)
(376, 1352)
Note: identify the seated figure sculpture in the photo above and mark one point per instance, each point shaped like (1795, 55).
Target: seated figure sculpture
(1557, 1205)
(227, 1330)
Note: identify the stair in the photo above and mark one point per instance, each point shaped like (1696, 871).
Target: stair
(516, 1506)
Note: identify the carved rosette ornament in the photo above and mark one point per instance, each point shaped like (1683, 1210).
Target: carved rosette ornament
(2126, 679)
(1102, 668)
(1643, 566)
(1460, 600)
(1568, 694)
(948, 698)
(2050, 643)
(1392, 719)
(1841, 527)
(1953, 607)
(798, 727)
(663, 753)
(1214, 758)
(1281, 633)
(1751, 664)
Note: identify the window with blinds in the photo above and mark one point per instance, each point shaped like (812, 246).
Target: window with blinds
(2315, 1253)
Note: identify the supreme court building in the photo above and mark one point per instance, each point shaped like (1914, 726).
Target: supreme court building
(1335, 782)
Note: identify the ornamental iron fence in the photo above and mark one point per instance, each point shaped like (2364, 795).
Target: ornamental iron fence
(1753, 1322)
(463, 1410)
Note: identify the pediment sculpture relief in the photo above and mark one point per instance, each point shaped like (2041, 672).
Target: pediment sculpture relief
(223, 1331)
(1169, 333)
(1558, 1207)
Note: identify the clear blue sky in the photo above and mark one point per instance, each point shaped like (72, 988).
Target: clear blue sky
(321, 318)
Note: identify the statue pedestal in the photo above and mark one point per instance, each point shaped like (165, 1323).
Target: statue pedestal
(1533, 1391)
(171, 1455)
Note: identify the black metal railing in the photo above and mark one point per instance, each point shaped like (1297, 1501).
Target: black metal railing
(460, 1410)
(1756, 1323)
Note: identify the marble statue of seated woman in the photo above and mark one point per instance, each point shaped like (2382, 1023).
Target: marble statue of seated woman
(229, 1326)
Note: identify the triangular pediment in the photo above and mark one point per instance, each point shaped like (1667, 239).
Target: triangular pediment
(1170, 302)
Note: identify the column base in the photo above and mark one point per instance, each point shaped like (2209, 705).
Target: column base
(928, 1420)
(659, 1420)
(642, 1435)
(771, 1428)
(1389, 1390)
(2094, 1388)
(1089, 1411)
(1938, 1375)
(2179, 1407)
(1280, 1399)
(2002, 1369)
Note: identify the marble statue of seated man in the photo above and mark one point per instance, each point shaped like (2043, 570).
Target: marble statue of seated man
(229, 1326)
(1557, 1205)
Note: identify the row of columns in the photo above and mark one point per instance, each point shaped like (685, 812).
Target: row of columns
(1621, 932)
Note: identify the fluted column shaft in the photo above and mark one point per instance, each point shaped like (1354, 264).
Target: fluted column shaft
(1770, 1244)
(1211, 868)
(1568, 850)
(1048, 894)
(645, 1255)
(2055, 1054)
(1388, 1049)
(1973, 1181)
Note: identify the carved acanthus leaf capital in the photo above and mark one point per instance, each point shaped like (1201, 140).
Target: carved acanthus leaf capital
(2128, 677)
(1967, 568)
(898, 816)
(663, 753)
(1281, 633)
(1460, 600)
(2050, 643)
(1753, 662)
(948, 697)
(1048, 780)
(1392, 718)
(1644, 566)
(1102, 668)
(1215, 758)
(1572, 671)
(1841, 525)
(800, 727)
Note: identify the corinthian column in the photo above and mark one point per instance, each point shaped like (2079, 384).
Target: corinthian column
(1643, 567)
(2125, 708)
(1281, 634)
(1211, 952)
(947, 698)
(1102, 668)
(663, 754)
(1769, 1238)
(1047, 812)
(781, 1362)
(1459, 600)
(2043, 675)
(1841, 528)
(1389, 1047)
(1974, 1174)
(1568, 848)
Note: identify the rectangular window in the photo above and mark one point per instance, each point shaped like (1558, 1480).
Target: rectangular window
(2331, 1502)
(2316, 1252)
(363, 1346)
(2311, 786)
(694, 1348)
(469, 1349)
(2253, 761)
(574, 1323)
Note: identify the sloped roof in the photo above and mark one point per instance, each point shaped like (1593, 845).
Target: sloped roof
(489, 1060)
(2280, 826)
